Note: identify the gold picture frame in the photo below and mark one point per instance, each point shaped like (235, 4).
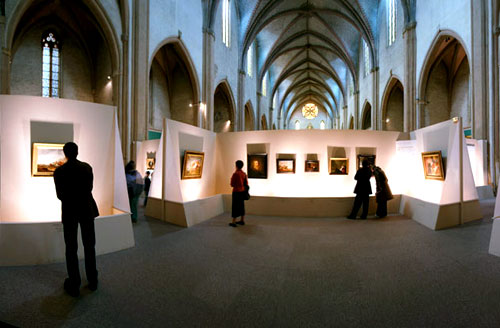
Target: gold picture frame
(285, 165)
(339, 166)
(192, 167)
(432, 162)
(47, 157)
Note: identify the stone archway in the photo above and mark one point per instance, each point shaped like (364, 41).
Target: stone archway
(263, 122)
(173, 92)
(249, 117)
(366, 118)
(444, 89)
(393, 106)
(223, 108)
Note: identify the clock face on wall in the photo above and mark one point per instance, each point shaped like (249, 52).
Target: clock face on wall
(310, 111)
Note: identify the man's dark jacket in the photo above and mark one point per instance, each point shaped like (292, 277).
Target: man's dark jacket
(74, 181)
(363, 185)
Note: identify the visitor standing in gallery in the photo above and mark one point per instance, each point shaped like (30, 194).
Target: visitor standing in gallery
(383, 193)
(135, 186)
(147, 185)
(239, 182)
(362, 190)
(74, 183)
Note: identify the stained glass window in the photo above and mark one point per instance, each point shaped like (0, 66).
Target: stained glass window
(391, 21)
(322, 125)
(226, 23)
(250, 60)
(310, 111)
(50, 65)
(264, 85)
(297, 125)
(366, 51)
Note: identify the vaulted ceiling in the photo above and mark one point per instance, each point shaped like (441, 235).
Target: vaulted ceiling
(310, 49)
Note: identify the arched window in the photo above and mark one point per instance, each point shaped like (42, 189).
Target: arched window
(322, 125)
(366, 51)
(297, 125)
(264, 85)
(50, 65)
(226, 23)
(391, 21)
(250, 60)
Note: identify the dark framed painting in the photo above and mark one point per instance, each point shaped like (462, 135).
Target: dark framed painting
(433, 165)
(257, 166)
(47, 157)
(369, 158)
(285, 165)
(193, 165)
(339, 166)
(312, 166)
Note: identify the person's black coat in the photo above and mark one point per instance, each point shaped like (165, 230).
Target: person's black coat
(74, 183)
(363, 185)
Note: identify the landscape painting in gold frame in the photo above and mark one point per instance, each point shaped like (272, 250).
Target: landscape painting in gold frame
(433, 165)
(47, 157)
(339, 166)
(193, 165)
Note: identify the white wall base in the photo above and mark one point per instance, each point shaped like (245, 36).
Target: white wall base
(307, 207)
(485, 192)
(495, 238)
(41, 243)
(186, 214)
(436, 216)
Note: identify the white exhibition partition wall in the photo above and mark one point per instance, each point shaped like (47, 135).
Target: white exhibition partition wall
(29, 203)
(303, 145)
(435, 203)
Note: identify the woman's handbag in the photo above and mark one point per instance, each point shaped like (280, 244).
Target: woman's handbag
(246, 195)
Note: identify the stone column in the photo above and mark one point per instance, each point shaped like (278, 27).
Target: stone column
(493, 86)
(356, 110)
(346, 119)
(6, 58)
(140, 73)
(241, 99)
(124, 109)
(410, 72)
(208, 78)
(376, 117)
(259, 111)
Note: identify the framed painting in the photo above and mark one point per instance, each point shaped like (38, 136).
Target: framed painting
(312, 166)
(193, 165)
(150, 163)
(339, 166)
(433, 165)
(257, 166)
(47, 157)
(369, 158)
(285, 165)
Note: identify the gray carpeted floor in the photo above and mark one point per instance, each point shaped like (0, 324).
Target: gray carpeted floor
(274, 272)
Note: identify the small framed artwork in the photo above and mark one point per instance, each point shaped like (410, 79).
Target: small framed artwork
(433, 165)
(257, 166)
(369, 158)
(47, 157)
(285, 165)
(150, 164)
(339, 166)
(312, 166)
(193, 165)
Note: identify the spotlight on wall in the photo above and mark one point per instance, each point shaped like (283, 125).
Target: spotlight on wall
(387, 120)
(455, 119)
(228, 122)
(109, 77)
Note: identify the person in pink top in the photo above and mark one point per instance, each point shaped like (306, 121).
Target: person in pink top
(238, 181)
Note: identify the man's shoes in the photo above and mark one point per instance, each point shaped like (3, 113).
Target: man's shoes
(70, 289)
(351, 217)
(363, 218)
(92, 286)
(232, 225)
(241, 222)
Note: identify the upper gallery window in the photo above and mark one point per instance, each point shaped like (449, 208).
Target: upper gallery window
(322, 125)
(226, 23)
(297, 125)
(366, 52)
(274, 100)
(264, 85)
(391, 21)
(50, 65)
(250, 60)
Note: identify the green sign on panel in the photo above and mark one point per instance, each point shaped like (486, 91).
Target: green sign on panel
(152, 135)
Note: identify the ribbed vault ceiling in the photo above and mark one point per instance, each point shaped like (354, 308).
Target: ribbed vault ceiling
(309, 48)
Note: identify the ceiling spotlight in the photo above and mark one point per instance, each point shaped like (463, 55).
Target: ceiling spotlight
(387, 120)
(109, 77)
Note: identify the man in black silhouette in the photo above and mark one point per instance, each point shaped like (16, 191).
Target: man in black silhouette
(362, 190)
(74, 182)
